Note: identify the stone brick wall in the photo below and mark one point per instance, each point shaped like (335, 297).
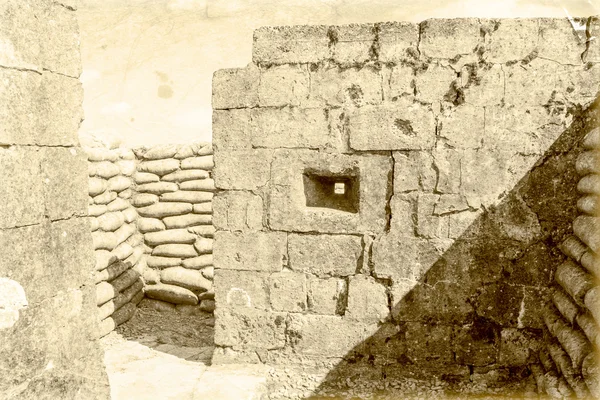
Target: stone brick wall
(48, 329)
(438, 254)
(568, 363)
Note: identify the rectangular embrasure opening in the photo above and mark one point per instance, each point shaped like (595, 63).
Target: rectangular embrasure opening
(334, 191)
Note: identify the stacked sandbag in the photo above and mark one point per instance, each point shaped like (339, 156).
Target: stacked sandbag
(173, 197)
(568, 365)
(118, 247)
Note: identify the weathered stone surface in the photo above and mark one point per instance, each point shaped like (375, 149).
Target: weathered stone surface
(463, 127)
(482, 85)
(430, 225)
(435, 83)
(290, 44)
(51, 114)
(400, 125)
(162, 262)
(516, 345)
(429, 343)
(558, 42)
(237, 211)
(249, 329)
(207, 185)
(157, 188)
(252, 251)
(159, 167)
(287, 210)
(230, 129)
(307, 334)
(349, 86)
(145, 177)
(285, 85)
(477, 344)
(187, 197)
(201, 261)
(325, 295)
(354, 43)
(187, 220)
(447, 38)
(169, 236)
(367, 299)
(171, 293)
(186, 278)
(324, 255)
(288, 291)
(235, 88)
(242, 169)
(160, 210)
(413, 170)
(511, 40)
(174, 250)
(398, 41)
(400, 82)
(150, 225)
(242, 289)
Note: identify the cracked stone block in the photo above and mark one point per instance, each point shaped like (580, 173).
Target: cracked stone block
(326, 335)
(413, 170)
(403, 208)
(289, 209)
(325, 295)
(398, 257)
(477, 344)
(447, 38)
(533, 85)
(398, 81)
(40, 109)
(230, 129)
(324, 255)
(430, 225)
(291, 44)
(367, 299)
(241, 289)
(249, 329)
(250, 251)
(235, 88)
(398, 41)
(349, 86)
(516, 220)
(435, 83)
(285, 85)
(593, 51)
(429, 343)
(463, 127)
(23, 190)
(482, 85)
(35, 45)
(288, 291)
(353, 43)
(578, 85)
(237, 211)
(501, 303)
(400, 125)
(516, 346)
(559, 42)
(448, 164)
(242, 169)
(511, 40)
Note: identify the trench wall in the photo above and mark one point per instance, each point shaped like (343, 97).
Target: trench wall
(437, 254)
(48, 331)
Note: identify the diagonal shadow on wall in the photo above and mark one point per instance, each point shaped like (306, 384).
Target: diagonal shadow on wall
(474, 314)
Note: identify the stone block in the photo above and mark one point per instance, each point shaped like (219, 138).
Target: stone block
(241, 289)
(447, 38)
(171, 294)
(186, 196)
(285, 85)
(39, 109)
(516, 346)
(534, 86)
(235, 88)
(482, 85)
(187, 220)
(401, 125)
(559, 42)
(249, 329)
(430, 225)
(435, 83)
(414, 170)
(291, 44)
(326, 335)
(398, 41)
(367, 300)
(398, 81)
(428, 343)
(403, 207)
(251, 251)
(354, 43)
(325, 296)
(288, 291)
(463, 127)
(324, 255)
(501, 303)
(230, 129)
(348, 87)
(288, 210)
(477, 344)
(237, 211)
(242, 169)
(187, 278)
(511, 40)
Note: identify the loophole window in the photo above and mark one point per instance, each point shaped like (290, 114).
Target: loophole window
(333, 191)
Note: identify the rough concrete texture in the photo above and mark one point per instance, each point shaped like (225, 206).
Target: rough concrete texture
(432, 175)
(49, 341)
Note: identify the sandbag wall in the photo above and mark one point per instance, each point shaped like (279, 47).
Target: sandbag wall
(118, 247)
(174, 190)
(568, 363)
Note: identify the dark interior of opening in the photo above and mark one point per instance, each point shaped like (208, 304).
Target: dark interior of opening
(334, 191)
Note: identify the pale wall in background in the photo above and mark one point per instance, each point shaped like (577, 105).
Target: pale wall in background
(148, 64)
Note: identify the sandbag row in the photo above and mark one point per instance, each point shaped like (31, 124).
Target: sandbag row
(118, 246)
(173, 198)
(569, 363)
